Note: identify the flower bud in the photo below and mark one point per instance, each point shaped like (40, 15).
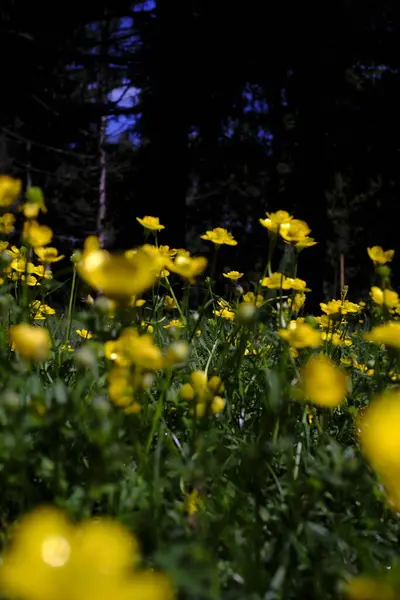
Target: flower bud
(238, 291)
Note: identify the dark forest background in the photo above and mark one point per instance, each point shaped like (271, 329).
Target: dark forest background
(238, 108)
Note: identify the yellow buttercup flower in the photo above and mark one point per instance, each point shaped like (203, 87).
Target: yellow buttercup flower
(40, 311)
(133, 348)
(124, 385)
(32, 343)
(279, 281)
(305, 242)
(388, 334)
(84, 333)
(225, 313)
(34, 203)
(251, 298)
(336, 338)
(204, 392)
(295, 231)
(50, 559)
(219, 236)
(379, 429)
(300, 335)
(233, 275)
(48, 255)
(339, 307)
(380, 256)
(7, 222)
(389, 298)
(186, 266)
(10, 189)
(169, 303)
(297, 303)
(324, 383)
(152, 223)
(274, 221)
(116, 275)
(35, 234)
(174, 323)
(67, 347)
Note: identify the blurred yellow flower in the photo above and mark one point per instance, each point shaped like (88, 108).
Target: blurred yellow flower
(300, 335)
(204, 392)
(35, 234)
(380, 256)
(67, 347)
(274, 220)
(133, 348)
(51, 559)
(324, 383)
(388, 334)
(48, 255)
(379, 429)
(387, 297)
(336, 338)
(251, 298)
(10, 189)
(233, 275)
(31, 343)
(186, 266)
(152, 223)
(116, 275)
(84, 333)
(305, 242)
(34, 203)
(7, 222)
(219, 236)
(123, 386)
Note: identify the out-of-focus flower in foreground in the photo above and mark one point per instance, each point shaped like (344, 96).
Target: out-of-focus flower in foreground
(51, 559)
(31, 343)
(323, 382)
(10, 189)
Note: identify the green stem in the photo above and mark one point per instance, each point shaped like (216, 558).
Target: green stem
(71, 306)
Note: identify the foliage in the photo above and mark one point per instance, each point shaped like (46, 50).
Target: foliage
(222, 431)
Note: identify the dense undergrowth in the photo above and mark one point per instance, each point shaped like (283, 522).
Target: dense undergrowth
(154, 447)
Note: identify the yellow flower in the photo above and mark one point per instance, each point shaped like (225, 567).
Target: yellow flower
(280, 281)
(147, 327)
(298, 302)
(67, 347)
(305, 242)
(324, 383)
(251, 298)
(186, 266)
(225, 313)
(123, 386)
(84, 333)
(387, 297)
(152, 223)
(295, 231)
(133, 348)
(233, 275)
(219, 236)
(52, 559)
(39, 311)
(169, 303)
(380, 256)
(138, 303)
(174, 323)
(116, 275)
(7, 222)
(336, 338)
(379, 434)
(32, 343)
(48, 255)
(363, 368)
(193, 502)
(204, 392)
(388, 334)
(300, 335)
(339, 307)
(366, 588)
(35, 234)
(274, 220)
(10, 189)
(34, 204)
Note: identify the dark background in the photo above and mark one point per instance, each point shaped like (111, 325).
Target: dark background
(239, 108)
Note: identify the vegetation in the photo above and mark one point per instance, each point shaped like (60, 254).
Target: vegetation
(166, 440)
